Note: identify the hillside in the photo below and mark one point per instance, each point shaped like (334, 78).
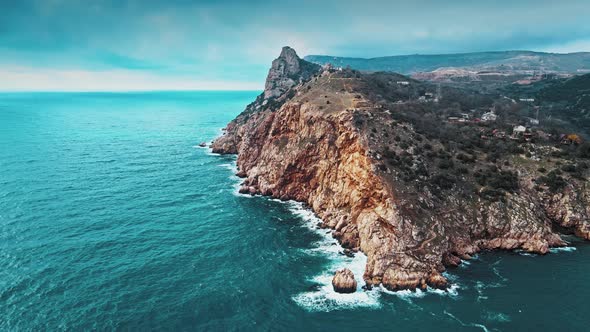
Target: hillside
(507, 61)
(562, 103)
(417, 176)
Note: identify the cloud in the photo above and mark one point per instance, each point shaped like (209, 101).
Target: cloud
(569, 47)
(34, 79)
(234, 41)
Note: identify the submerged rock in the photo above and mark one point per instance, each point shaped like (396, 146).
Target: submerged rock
(347, 252)
(343, 281)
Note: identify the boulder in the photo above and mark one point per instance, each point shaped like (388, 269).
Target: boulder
(343, 281)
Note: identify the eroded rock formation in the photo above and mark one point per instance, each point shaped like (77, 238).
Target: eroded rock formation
(343, 281)
(286, 71)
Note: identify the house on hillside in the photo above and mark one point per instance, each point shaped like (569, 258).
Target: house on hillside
(532, 121)
(521, 132)
(518, 130)
(489, 117)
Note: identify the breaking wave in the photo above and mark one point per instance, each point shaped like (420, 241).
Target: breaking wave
(481, 326)
(324, 298)
(562, 249)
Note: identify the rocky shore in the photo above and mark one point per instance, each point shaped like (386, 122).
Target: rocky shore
(319, 136)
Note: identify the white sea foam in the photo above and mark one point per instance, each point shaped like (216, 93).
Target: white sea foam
(230, 166)
(450, 277)
(497, 317)
(452, 291)
(233, 167)
(324, 298)
(464, 263)
(562, 249)
(480, 287)
(481, 326)
(207, 147)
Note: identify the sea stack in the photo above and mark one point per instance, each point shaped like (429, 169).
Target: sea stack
(343, 281)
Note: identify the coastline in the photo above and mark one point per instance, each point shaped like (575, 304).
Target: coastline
(323, 298)
(386, 188)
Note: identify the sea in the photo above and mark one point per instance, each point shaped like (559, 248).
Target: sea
(113, 218)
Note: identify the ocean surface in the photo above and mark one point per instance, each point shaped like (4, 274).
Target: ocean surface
(112, 218)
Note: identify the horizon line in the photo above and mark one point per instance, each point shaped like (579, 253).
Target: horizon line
(130, 91)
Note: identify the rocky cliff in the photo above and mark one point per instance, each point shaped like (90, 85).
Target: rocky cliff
(329, 139)
(286, 71)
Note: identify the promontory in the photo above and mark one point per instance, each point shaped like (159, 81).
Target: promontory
(418, 175)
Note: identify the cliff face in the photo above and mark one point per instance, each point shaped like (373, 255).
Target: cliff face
(319, 147)
(286, 71)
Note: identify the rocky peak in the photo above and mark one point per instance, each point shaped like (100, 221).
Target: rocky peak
(287, 71)
(289, 57)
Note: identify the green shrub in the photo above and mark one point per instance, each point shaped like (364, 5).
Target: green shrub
(497, 179)
(443, 181)
(445, 164)
(553, 181)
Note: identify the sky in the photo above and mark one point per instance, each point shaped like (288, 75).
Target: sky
(123, 45)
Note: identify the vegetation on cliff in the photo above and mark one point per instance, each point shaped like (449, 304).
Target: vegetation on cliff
(500, 61)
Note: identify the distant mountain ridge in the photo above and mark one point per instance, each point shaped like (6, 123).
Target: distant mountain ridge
(502, 61)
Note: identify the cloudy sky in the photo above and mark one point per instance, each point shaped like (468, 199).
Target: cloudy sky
(229, 44)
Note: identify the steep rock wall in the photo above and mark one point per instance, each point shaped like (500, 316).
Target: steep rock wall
(303, 154)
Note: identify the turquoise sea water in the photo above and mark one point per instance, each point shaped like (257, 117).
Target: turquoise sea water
(112, 219)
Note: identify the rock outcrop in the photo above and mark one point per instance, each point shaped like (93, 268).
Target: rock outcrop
(286, 71)
(324, 145)
(343, 281)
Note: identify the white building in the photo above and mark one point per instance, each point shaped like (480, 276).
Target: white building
(518, 130)
(489, 117)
